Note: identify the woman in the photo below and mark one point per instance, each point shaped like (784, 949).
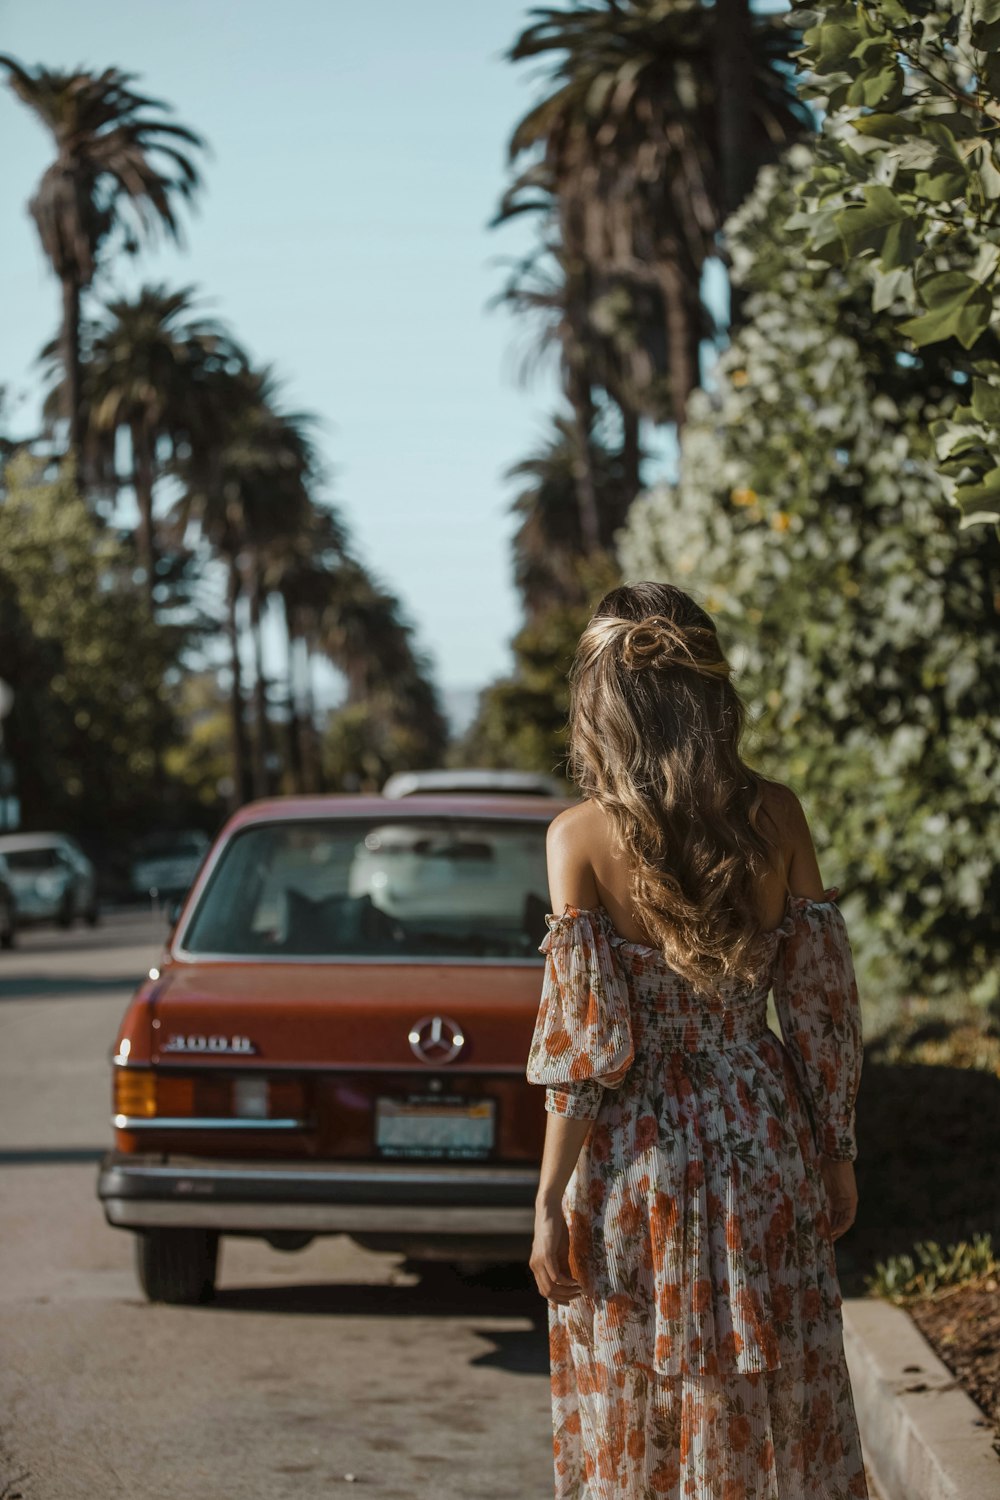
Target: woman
(696, 1170)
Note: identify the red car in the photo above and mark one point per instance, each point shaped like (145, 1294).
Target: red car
(335, 1039)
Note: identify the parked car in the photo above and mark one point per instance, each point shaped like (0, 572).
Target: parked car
(53, 879)
(472, 783)
(335, 1039)
(165, 864)
(8, 907)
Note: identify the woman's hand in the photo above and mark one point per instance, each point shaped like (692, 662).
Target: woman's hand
(841, 1192)
(550, 1254)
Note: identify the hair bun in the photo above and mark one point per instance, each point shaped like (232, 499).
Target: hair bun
(657, 643)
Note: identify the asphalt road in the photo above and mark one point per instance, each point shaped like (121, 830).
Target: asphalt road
(328, 1371)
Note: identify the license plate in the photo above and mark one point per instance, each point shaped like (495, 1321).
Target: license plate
(446, 1129)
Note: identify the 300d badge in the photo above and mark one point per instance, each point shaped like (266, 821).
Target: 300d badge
(229, 1046)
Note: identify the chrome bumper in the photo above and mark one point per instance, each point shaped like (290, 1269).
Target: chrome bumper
(324, 1198)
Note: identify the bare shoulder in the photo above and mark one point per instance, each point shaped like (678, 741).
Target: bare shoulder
(575, 823)
(569, 844)
(782, 806)
(794, 837)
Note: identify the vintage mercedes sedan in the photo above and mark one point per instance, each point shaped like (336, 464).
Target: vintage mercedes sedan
(335, 1039)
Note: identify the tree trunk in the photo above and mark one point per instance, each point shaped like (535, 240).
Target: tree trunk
(733, 67)
(261, 785)
(682, 363)
(312, 771)
(143, 467)
(631, 456)
(295, 772)
(70, 342)
(236, 724)
(576, 379)
(581, 399)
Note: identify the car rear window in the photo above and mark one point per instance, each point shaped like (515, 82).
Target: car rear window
(170, 848)
(31, 859)
(422, 888)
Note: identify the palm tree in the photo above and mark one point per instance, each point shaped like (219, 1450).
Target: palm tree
(301, 570)
(119, 166)
(629, 139)
(548, 541)
(145, 361)
(733, 46)
(245, 472)
(361, 631)
(391, 716)
(608, 343)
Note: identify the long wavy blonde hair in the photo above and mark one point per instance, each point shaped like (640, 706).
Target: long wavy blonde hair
(655, 732)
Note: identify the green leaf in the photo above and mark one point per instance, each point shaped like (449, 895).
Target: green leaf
(889, 285)
(853, 163)
(980, 502)
(887, 127)
(957, 307)
(875, 51)
(986, 401)
(957, 455)
(864, 226)
(878, 86)
(989, 174)
(901, 246)
(830, 46)
(943, 183)
(986, 36)
(990, 73)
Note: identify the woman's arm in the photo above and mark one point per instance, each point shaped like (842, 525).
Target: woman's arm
(804, 879)
(571, 883)
(564, 1138)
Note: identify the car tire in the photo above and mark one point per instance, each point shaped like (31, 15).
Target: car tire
(93, 916)
(177, 1265)
(65, 916)
(8, 928)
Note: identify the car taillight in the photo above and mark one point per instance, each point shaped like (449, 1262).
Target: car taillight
(135, 1094)
(141, 1094)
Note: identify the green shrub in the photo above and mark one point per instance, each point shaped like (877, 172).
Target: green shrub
(931, 1268)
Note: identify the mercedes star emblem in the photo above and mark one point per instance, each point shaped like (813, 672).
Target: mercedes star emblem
(436, 1039)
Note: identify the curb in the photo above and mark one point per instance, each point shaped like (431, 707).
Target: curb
(923, 1437)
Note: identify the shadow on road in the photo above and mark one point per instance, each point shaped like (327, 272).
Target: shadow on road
(501, 1292)
(64, 986)
(51, 1156)
(505, 1291)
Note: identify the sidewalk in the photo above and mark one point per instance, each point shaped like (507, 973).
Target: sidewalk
(923, 1438)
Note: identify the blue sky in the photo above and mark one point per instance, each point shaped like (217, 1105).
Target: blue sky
(357, 155)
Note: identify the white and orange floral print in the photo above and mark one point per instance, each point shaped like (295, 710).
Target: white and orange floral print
(705, 1359)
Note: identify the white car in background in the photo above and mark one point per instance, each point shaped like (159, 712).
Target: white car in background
(8, 908)
(473, 782)
(164, 864)
(52, 878)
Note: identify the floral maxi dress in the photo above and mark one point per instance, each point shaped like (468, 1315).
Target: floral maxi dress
(705, 1359)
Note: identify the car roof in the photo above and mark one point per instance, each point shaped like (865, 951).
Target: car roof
(472, 781)
(12, 842)
(501, 806)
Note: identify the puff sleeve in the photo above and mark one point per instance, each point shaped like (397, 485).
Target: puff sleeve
(582, 1043)
(816, 998)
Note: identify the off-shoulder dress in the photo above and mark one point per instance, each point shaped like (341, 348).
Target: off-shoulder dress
(705, 1360)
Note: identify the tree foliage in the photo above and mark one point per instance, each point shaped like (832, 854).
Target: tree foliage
(122, 168)
(87, 663)
(908, 181)
(812, 523)
(521, 719)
